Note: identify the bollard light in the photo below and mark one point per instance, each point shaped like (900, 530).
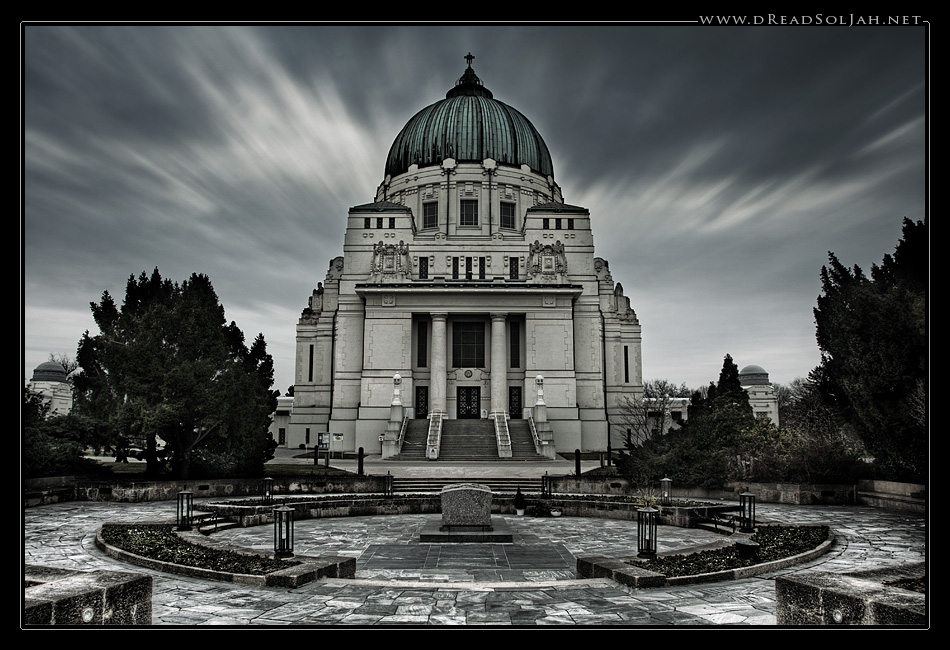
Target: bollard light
(186, 500)
(267, 490)
(747, 508)
(646, 532)
(666, 491)
(283, 531)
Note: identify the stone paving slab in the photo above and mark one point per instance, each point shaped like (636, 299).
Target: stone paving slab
(61, 535)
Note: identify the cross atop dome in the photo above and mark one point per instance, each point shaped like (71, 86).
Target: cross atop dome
(469, 57)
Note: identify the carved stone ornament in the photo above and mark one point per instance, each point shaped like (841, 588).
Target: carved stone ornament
(390, 262)
(547, 262)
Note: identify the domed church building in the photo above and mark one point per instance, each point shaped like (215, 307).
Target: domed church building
(468, 316)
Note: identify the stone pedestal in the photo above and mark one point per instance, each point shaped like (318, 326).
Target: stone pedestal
(466, 506)
(466, 517)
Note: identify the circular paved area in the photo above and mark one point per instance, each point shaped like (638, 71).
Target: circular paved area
(473, 593)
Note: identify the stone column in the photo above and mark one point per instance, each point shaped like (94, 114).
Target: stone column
(437, 355)
(499, 365)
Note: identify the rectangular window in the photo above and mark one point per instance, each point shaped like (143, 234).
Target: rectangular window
(423, 268)
(392, 222)
(570, 224)
(282, 436)
(468, 268)
(379, 222)
(422, 344)
(507, 215)
(513, 263)
(310, 375)
(557, 224)
(366, 223)
(545, 223)
(430, 215)
(626, 365)
(468, 345)
(481, 268)
(306, 440)
(455, 268)
(514, 332)
(468, 212)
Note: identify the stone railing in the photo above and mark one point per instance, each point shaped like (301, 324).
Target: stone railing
(534, 435)
(402, 434)
(502, 435)
(434, 439)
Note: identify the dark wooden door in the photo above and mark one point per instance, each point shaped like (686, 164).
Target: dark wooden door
(422, 402)
(469, 400)
(514, 402)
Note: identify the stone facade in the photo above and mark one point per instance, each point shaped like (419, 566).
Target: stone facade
(762, 397)
(49, 380)
(468, 277)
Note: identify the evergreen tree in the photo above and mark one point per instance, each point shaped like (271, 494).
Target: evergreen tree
(166, 367)
(872, 335)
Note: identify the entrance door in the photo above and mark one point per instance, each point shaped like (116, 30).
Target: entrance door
(468, 400)
(514, 402)
(422, 402)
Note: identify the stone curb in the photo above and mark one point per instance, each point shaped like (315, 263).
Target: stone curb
(618, 570)
(308, 570)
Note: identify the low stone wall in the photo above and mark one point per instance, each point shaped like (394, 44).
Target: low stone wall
(907, 497)
(883, 494)
(320, 508)
(791, 493)
(860, 598)
(799, 494)
(64, 597)
(46, 491)
(247, 515)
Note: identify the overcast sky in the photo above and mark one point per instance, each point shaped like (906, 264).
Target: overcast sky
(719, 165)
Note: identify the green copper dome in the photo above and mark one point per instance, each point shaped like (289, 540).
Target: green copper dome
(469, 126)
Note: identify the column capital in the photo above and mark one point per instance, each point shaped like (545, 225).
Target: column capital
(439, 315)
(499, 315)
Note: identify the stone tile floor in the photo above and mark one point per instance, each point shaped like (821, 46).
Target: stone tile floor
(402, 582)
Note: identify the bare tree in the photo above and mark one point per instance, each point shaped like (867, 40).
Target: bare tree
(68, 363)
(653, 413)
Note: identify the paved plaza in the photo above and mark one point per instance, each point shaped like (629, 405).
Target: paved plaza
(531, 582)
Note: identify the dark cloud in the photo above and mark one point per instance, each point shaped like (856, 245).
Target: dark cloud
(720, 165)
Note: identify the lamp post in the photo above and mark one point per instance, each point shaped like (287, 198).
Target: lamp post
(283, 532)
(267, 490)
(666, 491)
(397, 382)
(747, 507)
(646, 532)
(186, 501)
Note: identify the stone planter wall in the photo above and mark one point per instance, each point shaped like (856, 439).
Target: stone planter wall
(55, 596)
(860, 598)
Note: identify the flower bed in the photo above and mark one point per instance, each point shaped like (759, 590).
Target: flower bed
(775, 543)
(159, 542)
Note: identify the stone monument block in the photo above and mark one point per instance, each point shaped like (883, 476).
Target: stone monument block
(466, 506)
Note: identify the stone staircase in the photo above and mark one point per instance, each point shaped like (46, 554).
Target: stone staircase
(468, 440)
(208, 522)
(522, 446)
(414, 444)
(496, 484)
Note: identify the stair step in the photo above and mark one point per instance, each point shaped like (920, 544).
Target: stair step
(497, 485)
(468, 440)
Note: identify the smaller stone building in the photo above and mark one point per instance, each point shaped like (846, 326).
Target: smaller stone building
(762, 397)
(50, 381)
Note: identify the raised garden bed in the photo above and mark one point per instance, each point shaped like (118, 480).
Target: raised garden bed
(779, 547)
